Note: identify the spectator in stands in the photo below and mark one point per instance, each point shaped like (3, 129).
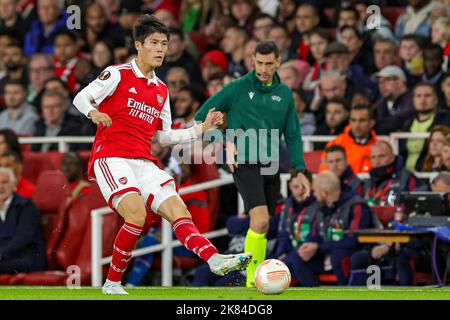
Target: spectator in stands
(55, 121)
(441, 9)
(19, 115)
(336, 162)
(433, 59)
(98, 29)
(388, 177)
(102, 57)
(11, 20)
(328, 245)
(358, 53)
(410, 53)
(244, 12)
(22, 247)
(289, 75)
(441, 183)
(357, 139)
(332, 85)
(72, 168)
(189, 99)
(41, 35)
(306, 19)
(15, 65)
(415, 20)
(394, 106)
(286, 14)
(249, 50)
(233, 45)
(40, 69)
(177, 77)
(129, 11)
(445, 154)
(425, 100)
(262, 26)
(215, 83)
(336, 119)
(307, 120)
(213, 61)
(436, 141)
(167, 15)
(445, 87)
(56, 84)
(280, 35)
(177, 56)
(66, 58)
(384, 53)
(13, 160)
(194, 14)
(440, 35)
(9, 143)
(347, 16)
(318, 41)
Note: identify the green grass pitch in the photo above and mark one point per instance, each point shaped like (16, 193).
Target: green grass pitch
(216, 293)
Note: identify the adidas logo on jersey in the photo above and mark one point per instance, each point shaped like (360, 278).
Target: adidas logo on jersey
(133, 90)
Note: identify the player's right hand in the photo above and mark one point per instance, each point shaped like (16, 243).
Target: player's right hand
(231, 152)
(98, 117)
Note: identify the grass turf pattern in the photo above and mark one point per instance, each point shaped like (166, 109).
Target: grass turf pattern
(221, 293)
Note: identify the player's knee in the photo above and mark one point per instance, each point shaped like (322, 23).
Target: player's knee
(134, 213)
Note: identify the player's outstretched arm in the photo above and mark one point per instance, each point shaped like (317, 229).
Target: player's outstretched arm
(213, 120)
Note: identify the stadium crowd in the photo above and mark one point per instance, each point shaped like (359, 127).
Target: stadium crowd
(355, 73)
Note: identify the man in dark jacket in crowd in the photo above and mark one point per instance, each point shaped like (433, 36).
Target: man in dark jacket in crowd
(22, 247)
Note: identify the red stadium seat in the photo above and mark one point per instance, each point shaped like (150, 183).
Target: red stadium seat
(313, 160)
(34, 163)
(52, 199)
(392, 14)
(384, 214)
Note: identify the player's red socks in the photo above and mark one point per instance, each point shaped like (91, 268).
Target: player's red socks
(123, 245)
(191, 238)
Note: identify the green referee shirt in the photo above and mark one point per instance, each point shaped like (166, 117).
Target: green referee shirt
(264, 113)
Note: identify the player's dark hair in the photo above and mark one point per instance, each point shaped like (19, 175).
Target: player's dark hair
(341, 101)
(367, 107)
(15, 82)
(147, 25)
(267, 47)
(195, 92)
(335, 148)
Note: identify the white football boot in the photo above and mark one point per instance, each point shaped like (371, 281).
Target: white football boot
(221, 264)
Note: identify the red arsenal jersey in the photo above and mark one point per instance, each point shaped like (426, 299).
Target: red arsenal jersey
(137, 106)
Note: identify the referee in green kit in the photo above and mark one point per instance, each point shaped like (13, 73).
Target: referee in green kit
(261, 108)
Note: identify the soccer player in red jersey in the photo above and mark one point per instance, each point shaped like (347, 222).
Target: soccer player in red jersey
(130, 105)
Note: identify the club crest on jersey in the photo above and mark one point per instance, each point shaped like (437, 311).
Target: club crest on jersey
(104, 75)
(160, 99)
(123, 180)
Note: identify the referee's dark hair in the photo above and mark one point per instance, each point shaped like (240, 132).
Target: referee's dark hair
(267, 47)
(146, 25)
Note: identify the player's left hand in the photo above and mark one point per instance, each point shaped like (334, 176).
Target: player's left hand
(304, 183)
(213, 120)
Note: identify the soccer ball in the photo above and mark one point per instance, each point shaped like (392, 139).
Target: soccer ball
(272, 277)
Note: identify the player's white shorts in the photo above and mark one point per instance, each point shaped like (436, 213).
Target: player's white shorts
(117, 177)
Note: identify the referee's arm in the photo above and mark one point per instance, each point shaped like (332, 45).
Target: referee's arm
(221, 101)
(293, 136)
